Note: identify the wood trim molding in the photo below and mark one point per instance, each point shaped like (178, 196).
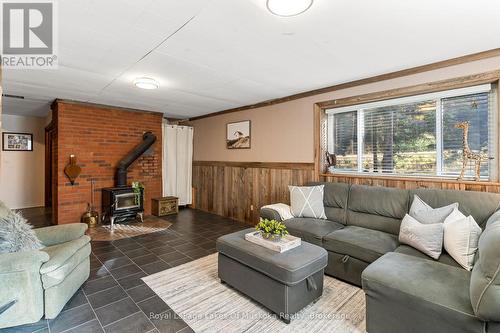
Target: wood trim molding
(262, 165)
(424, 88)
(388, 76)
(409, 179)
(498, 128)
(318, 151)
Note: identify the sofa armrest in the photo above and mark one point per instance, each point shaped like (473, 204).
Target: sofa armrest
(270, 214)
(494, 217)
(58, 234)
(22, 261)
(21, 291)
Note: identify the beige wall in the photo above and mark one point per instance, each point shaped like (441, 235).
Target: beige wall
(284, 132)
(22, 173)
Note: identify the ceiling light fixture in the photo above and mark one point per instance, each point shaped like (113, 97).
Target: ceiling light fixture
(288, 7)
(146, 83)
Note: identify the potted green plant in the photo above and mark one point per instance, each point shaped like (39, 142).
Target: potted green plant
(271, 229)
(137, 187)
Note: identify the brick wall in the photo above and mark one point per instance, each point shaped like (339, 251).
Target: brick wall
(99, 137)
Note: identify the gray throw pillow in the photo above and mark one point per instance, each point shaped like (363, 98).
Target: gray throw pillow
(17, 235)
(307, 201)
(427, 238)
(428, 215)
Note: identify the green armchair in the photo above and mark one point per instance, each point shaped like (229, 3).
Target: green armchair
(40, 282)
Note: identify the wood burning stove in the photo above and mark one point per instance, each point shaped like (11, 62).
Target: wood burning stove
(122, 203)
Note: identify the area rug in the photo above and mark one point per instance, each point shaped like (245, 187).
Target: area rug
(151, 224)
(195, 293)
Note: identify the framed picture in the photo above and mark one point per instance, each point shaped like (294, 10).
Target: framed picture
(238, 135)
(17, 141)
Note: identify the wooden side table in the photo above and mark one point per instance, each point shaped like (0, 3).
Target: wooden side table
(165, 206)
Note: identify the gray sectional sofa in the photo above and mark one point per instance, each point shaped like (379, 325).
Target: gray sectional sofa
(406, 290)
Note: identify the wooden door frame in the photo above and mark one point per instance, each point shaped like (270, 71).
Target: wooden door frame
(49, 132)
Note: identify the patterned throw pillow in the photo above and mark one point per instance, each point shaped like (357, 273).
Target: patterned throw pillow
(307, 201)
(16, 234)
(427, 238)
(424, 213)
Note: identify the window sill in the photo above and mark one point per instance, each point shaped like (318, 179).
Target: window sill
(411, 179)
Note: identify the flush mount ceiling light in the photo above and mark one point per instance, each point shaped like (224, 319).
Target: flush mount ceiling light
(288, 7)
(146, 83)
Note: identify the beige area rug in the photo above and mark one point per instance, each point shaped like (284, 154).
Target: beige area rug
(195, 293)
(151, 224)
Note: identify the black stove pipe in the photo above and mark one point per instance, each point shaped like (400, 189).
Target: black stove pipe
(148, 139)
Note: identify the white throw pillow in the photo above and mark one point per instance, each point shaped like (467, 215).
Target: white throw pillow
(427, 238)
(461, 238)
(424, 213)
(282, 209)
(307, 201)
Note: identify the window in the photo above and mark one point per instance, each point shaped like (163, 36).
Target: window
(416, 136)
(345, 133)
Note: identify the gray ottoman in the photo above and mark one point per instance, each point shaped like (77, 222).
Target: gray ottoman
(282, 282)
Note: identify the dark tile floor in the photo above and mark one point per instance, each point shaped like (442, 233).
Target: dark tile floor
(38, 216)
(114, 298)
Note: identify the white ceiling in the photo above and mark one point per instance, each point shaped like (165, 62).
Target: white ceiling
(234, 53)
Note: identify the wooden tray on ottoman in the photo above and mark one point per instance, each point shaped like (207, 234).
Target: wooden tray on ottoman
(286, 243)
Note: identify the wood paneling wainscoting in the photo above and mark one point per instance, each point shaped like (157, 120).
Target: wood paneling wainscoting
(238, 189)
(413, 183)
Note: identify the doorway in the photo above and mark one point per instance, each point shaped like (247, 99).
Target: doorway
(50, 161)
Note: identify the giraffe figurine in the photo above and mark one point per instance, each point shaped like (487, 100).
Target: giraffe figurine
(468, 154)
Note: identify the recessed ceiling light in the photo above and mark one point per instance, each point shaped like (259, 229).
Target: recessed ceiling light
(288, 7)
(146, 83)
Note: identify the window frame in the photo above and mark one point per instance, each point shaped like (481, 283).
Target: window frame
(436, 96)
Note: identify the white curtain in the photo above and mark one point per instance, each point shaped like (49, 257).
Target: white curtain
(177, 162)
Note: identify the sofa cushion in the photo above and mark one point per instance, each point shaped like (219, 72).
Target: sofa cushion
(429, 289)
(289, 267)
(360, 243)
(311, 230)
(480, 205)
(444, 258)
(64, 258)
(485, 279)
(335, 200)
(377, 208)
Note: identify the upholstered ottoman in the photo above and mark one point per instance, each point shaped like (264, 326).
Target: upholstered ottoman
(282, 282)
